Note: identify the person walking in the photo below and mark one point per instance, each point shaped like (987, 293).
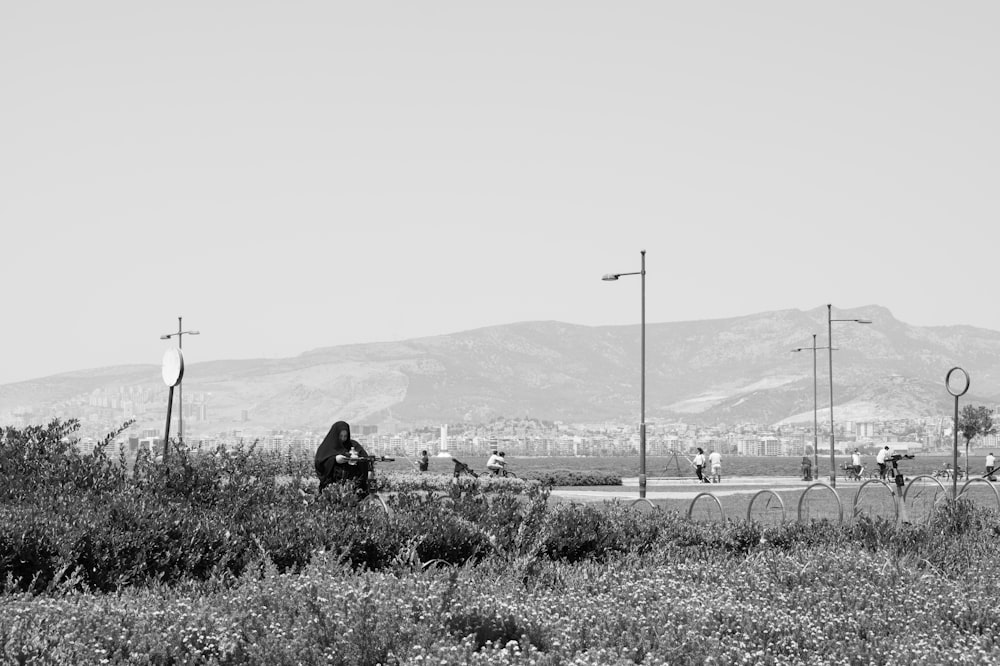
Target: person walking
(856, 463)
(715, 460)
(699, 465)
(990, 463)
(424, 462)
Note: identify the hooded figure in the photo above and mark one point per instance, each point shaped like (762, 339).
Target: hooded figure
(338, 443)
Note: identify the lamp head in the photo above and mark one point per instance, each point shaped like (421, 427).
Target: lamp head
(797, 349)
(194, 332)
(863, 321)
(164, 337)
(610, 277)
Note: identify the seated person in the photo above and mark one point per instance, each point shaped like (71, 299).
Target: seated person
(337, 460)
(496, 464)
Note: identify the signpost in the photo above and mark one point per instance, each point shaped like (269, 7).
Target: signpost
(173, 372)
(957, 390)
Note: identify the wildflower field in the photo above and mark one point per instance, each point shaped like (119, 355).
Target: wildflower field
(210, 560)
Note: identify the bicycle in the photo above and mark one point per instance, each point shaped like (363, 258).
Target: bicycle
(502, 472)
(373, 481)
(851, 473)
(355, 494)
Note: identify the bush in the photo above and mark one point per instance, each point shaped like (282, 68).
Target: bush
(566, 477)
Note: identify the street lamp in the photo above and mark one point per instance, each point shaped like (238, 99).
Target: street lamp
(180, 386)
(815, 412)
(610, 277)
(829, 338)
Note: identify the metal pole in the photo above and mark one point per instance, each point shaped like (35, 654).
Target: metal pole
(180, 388)
(829, 337)
(166, 434)
(642, 389)
(954, 456)
(815, 413)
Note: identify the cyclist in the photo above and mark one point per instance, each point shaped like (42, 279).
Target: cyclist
(337, 460)
(496, 464)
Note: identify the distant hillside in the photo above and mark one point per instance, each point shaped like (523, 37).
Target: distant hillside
(725, 370)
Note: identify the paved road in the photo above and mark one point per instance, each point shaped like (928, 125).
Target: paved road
(686, 488)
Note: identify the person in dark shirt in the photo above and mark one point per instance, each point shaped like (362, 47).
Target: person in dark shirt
(424, 463)
(337, 460)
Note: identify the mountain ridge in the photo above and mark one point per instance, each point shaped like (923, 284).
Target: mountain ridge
(735, 369)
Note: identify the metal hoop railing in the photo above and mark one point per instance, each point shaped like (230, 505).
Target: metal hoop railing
(980, 479)
(821, 484)
(758, 494)
(895, 500)
(906, 489)
(641, 500)
(722, 512)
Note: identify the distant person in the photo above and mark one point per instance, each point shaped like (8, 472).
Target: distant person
(496, 463)
(856, 463)
(699, 465)
(337, 460)
(715, 460)
(424, 462)
(881, 460)
(990, 462)
(807, 468)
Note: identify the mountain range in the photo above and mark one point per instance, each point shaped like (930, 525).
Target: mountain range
(731, 370)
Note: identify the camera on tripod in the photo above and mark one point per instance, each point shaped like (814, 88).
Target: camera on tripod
(897, 475)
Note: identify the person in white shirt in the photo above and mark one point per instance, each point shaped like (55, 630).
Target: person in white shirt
(715, 460)
(990, 463)
(699, 465)
(856, 463)
(496, 463)
(880, 459)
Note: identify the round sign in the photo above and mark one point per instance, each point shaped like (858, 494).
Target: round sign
(958, 389)
(173, 367)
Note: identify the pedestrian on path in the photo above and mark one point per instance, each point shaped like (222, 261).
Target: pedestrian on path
(699, 465)
(715, 460)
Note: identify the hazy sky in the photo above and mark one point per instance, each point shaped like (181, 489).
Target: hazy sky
(294, 175)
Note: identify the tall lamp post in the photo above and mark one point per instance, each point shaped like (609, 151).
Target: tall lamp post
(829, 338)
(815, 410)
(180, 385)
(642, 385)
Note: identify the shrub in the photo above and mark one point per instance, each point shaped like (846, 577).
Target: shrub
(566, 477)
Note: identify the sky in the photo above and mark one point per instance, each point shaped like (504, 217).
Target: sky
(293, 175)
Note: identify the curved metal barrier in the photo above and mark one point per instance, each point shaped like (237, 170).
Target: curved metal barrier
(758, 494)
(906, 489)
(981, 480)
(722, 513)
(640, 501)
(895, 500)
(820, 484)
(375, 500)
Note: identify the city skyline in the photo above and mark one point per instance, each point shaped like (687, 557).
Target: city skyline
(321, 175)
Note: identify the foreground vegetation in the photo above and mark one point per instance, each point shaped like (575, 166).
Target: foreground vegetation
(210, 561)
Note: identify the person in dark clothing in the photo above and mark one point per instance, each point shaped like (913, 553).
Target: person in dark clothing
(337, 460)
(424, 463)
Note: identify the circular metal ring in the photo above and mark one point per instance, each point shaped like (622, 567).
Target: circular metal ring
(821, 484)
(781, 503)
(722, 512)
(947, 381)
